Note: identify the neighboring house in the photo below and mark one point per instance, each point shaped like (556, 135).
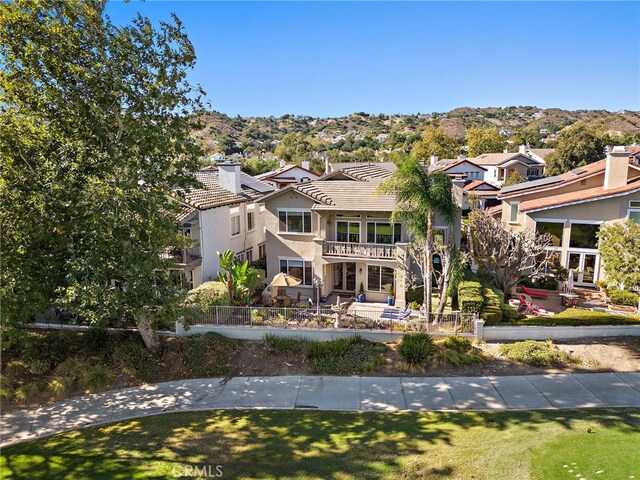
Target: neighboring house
(337, 230)
(459, 167)
(288, 174)
(217, 157)
(223, 214)
(485, 193)
(538, 154)
(572, 207)
(335, 166)
(500, 166)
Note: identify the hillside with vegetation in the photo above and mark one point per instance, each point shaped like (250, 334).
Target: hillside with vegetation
(365, 137)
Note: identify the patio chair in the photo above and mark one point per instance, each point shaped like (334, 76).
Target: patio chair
(534, 293)
(286, 302)
(529, 308)
(296, 302)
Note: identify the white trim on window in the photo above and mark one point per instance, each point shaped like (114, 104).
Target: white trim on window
(235, 229)
(511, 211)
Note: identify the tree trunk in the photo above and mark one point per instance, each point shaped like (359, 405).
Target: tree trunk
(428, 268)
(149, 336)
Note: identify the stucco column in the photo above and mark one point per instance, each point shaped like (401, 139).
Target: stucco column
(402, 258)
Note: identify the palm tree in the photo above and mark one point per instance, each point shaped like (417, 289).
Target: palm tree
(419, 197)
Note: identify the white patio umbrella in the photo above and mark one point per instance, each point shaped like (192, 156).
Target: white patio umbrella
(570, 281)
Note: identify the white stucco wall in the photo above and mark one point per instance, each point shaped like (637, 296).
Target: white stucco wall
(215, 225)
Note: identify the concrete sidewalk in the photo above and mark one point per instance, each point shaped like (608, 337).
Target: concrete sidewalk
(384, 394)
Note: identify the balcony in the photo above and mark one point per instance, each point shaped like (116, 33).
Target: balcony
(359, 250)
(185, 258)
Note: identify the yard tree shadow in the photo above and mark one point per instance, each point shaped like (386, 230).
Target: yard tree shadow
(281, 443)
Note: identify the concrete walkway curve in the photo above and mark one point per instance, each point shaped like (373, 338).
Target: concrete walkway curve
(386, 394)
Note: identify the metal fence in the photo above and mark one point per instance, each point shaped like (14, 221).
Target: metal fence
(357, 319)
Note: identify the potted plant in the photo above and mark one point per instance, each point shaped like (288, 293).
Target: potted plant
(391, 298)
(361, 297)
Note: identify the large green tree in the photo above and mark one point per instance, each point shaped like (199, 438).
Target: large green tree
(96, 123)
(578, 145)
(619, 247)
(420, 196)
(484, 140)
(435, 142)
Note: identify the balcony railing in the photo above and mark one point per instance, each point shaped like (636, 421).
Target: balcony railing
(184, 257)
(360, 250)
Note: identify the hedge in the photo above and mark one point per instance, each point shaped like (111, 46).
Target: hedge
(492, 310)
(578, 317)
(470, 298)
(544, 283)
(623, 297)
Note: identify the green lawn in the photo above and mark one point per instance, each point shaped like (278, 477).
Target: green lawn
(340, 445)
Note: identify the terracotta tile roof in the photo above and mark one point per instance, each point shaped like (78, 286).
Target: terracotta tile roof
(495, 210)
(542, 152)
(371, 172)
(578, 196)
(347, 196)
(212, 195)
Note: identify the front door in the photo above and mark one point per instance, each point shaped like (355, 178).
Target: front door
(344, 277)
(584, 266)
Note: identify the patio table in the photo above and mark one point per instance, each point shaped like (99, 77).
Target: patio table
(569, 299)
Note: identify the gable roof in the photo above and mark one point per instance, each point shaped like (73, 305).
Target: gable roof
(278, 172)
(369, 172)
(541, 152)
(496, 159)
(460, 162)
(211, 194)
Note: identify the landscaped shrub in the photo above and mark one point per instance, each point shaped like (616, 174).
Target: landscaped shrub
(416, 349)
(510, 313)
(457, 343)
(623, 297)
(537, 354)
(96, 378)
(208, 294)
(345, 356)
(544, 282)
(196, 356)
(29, 392)
(492, 309)
(415, 294)
(577, 317)
(285, 344)
(470, 297)
(39, 367)
(95, 340)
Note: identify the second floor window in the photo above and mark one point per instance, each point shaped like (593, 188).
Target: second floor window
(383, 232)
(251, 220)
(292, 221)
(235, 225)
(513, 214)
(348, 232)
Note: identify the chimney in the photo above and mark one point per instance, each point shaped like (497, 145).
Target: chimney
(229, 176)
(522, 149)
(326, 165)
(434, 159)
(506, 150)
(617, 168)
(457, 190)
(282, 163)
(305, 164)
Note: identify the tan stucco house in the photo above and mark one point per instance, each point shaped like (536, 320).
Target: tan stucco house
(336, 230)
(572, 207)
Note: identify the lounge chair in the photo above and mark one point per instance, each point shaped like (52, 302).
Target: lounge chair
(529, 308)
(534, 293)
(395, 315)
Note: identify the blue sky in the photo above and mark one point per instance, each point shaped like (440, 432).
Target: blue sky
(330, 59)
